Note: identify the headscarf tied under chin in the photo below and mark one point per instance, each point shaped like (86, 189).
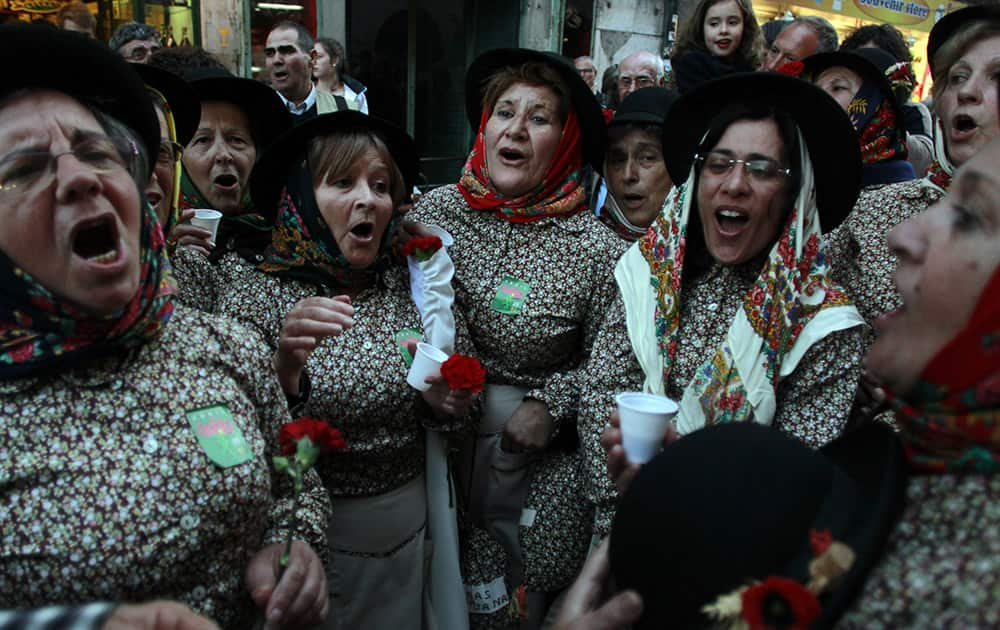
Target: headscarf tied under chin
(302, 246)
(792, 305)
(41, 332)
(560, 192)
(248, 229)
(950, 421)
(939, 174)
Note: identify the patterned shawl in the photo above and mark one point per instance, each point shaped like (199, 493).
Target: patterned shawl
(792, 305)
(560, 192)
(40, 331)
(950, 422)
(940, 172)
(248, 229)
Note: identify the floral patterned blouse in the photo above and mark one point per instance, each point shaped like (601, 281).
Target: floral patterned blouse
(149, 475)
(205, 285)
(813, 403)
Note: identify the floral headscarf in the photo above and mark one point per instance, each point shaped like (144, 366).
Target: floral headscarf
(39, 331)
(950, 422)
(249, 230)
(560, 192)
(941, 170)
(792, 305)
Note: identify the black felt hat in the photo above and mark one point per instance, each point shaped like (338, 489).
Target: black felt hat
(270, 173)
(181, 97)
(950, 23)
(829, 135)
(265, 109)
(870, 63)
(79, 66)
(648, 106)
(736, 503)
(592, 126)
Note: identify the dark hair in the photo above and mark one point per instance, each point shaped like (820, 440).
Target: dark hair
(609, 87)
(130, 31)
(182, 59)
(334, 49)
(692, 35)
(78, 13)
(532, 73)
(885, 36)
(303, 38)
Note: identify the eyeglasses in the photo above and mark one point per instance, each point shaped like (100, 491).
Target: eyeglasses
(760, 169)
(23, 173)
(640, 81)
(168, 153)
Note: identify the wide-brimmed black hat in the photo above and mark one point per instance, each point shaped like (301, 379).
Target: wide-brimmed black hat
(950, 23)
(648, 106)
(270, 173)
(870, 63)
(68, 62)
(737, 503)
(830, 137)
(181, 97)
(588, 111)
(263, 106)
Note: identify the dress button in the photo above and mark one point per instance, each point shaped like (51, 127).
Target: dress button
(150, 445)
(713, 306)
(199, 592)
(189, 521)
(258, 258)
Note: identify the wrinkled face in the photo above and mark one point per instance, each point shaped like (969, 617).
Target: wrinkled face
(220, 155)
(289, 65)
(968, 105)
(139, 50)
(323, 64)
(741, 214)
(634, 73)
(946, 257)
(723, 28)
(587, 71)
(160, 191)
(637, 175)
(357, 207)
(522, 134)
(841, 83)
(795, 43)
(72, 223)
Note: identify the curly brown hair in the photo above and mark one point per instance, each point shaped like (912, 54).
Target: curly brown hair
(692, 35)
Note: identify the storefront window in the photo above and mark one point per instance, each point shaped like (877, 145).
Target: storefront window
(263, 17)
(174, 19)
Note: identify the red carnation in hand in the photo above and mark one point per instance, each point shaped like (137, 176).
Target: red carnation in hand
(319, 432)
(422, 247)
(779, 603)
(792, 68)
(462, 372)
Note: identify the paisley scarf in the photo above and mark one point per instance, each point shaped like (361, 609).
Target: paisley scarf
(40, 331)
(560, 192)
(950, 422)
(246, 231)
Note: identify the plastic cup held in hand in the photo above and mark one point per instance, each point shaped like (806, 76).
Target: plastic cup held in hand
(644, 420)
(426, 363)
(208, 220)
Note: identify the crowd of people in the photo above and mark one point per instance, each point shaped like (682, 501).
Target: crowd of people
(770, 234)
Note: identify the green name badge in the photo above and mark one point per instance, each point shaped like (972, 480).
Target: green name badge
(510, 296)
(219, 435)
(403, 338)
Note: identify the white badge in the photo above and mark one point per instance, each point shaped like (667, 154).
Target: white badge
(484, 599)
(528, 517)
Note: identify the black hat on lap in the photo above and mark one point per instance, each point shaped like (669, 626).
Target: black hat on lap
(648, 106)
(588, 111)
(269, 118)
(64, 61)
(182, 99)
(830, 138)
(732, 505)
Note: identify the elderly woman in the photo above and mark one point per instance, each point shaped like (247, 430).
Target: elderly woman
(118, 484)
(533, 279)
(727, 305)
(328, 273)
(961, 51)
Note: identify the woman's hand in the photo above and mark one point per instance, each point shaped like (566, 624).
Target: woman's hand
(308, 323)
(188, 235)
(300, 600)
(580, 608)
(158, 615)
(447, 402)
(528, 429)
(408, 230)
(622, 471)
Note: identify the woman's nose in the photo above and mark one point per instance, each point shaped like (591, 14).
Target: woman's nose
(736, 181)
(907, 240)
(74, 179)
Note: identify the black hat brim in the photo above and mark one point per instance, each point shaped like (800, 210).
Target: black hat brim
(270, 173)
(76, 65)
(262, 105)
(946, 27)
(646, 106)
(588, 111)
(183, 101)
(829, 135)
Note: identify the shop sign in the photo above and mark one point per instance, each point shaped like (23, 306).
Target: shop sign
(33, 6)
(918, 15)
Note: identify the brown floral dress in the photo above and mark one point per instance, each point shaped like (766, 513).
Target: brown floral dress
(813, 402)
(149, 475)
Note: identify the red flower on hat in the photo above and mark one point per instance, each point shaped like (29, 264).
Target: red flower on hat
(608, 114)
(792, 68)
(779, 603)
(819, 540)
(320, 433)
(462, 372)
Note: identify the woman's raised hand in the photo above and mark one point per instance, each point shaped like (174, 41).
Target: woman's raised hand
(308, 323)
(188, 235)
(622, 471)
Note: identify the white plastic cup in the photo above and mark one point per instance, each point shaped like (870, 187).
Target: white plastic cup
(426, 363)
(207, 219)
(644, 420)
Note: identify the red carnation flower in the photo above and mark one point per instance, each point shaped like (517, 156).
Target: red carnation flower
(422, 247)
(462, 372)
(608, 114)
(779, 603)
(320, 433)
(792, 68)
(819, 541)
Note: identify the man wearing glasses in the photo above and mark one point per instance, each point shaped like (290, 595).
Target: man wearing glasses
(135, 42)
(638, 70)
(588, 72)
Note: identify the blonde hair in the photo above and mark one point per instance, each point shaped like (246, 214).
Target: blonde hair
(331, 156)
(952, 50)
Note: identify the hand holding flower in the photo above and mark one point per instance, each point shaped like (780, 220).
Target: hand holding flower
(422, 247)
